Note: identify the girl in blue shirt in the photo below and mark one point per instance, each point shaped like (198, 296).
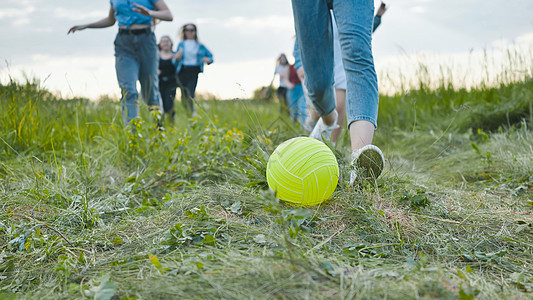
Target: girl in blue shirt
(191, 56)
(136, 57)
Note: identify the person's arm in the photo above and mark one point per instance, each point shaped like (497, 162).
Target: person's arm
(208, 57)
(173, 59)
(179, 52)
(377, 22)
(381, 10)
(377, 18)
(161, 11)
(103, 23)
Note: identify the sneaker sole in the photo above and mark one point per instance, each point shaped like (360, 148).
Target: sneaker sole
(370, 162)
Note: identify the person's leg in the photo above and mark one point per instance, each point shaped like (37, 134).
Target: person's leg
(297, 105)
(311, 116)
(340, 99)
(127, 70)
(149, 64)
(193, 82)
(291, 103)
(191, 86)
(172, 97)
(340, 81)
(168, 93)
(186, 98)
(312, 22)
(165, 96)
(285, 102)
(282, 98)
(354, 21)
(361, 134)
(301, 106)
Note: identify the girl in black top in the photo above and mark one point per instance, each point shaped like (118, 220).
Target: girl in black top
(167, 75)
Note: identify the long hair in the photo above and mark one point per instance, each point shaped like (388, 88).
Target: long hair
(282, 55)
(182, 31)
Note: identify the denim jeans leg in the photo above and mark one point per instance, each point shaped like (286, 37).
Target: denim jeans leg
(127, 69)
(296, 102)
(302, 106)
(354, 21)
(312, 21)
(291, 104)
(149, 64)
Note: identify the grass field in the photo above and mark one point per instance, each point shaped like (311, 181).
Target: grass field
(89, 209)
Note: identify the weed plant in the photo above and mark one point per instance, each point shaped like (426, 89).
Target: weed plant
(90, 209)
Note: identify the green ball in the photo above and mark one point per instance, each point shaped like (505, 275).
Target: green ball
(303, 171)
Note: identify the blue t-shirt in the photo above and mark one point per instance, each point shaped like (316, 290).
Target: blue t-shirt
(125, 15)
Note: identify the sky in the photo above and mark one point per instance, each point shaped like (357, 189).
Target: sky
(246, 37)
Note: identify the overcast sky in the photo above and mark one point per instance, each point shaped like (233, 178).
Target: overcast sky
(245, 37)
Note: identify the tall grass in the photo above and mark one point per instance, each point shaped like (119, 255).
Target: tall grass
(483, 90)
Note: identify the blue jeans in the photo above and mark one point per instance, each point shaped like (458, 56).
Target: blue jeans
(136, 59)
(315, 40)
(296, 103)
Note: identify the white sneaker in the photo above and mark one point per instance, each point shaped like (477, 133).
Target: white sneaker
(322, 131)
(310, 123)
(367, 163)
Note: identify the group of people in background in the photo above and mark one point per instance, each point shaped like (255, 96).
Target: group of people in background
(180, 68)
(333, 54)
(158, 68)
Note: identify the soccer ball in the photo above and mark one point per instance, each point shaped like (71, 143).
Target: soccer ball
(303, 171)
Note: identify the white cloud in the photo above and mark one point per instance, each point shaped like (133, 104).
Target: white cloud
(500, 43)
(525, 39)
(200, 21)
(40, 58)
(418, 9)
(44, 29)
(9, 12)
(16, 12)
(252, 25)
(88, 76)
(246, 76)
(74, 14)
(273, 21)
(24, 2)
(21, 21)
